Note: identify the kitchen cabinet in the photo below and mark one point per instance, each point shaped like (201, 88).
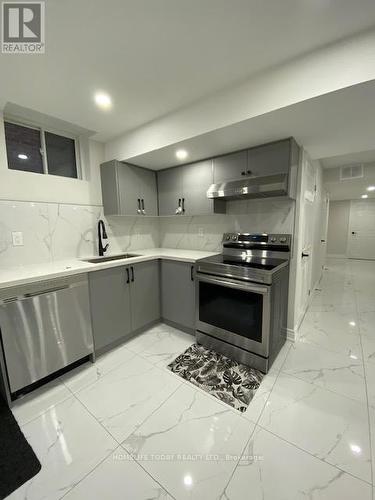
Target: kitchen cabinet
(123, 300)
(196, 179)
(170, 190)
(229, 167)
(145, 293)
(183, 190)
(178, 293)
(128, 189)
(110, 306)
(269, 159)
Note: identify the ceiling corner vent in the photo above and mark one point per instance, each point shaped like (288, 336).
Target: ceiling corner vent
(351, 172)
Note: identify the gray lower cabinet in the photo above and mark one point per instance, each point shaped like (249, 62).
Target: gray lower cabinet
(128, 189)
(178, 293)
(110, 306)
(145, 293)
(123, 299)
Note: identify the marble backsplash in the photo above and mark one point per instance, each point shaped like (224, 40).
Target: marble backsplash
(205, 232)
(54, 232)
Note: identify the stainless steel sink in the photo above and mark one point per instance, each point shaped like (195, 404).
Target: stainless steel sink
(99, 260)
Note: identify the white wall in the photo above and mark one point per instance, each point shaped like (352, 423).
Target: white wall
(58, 216)
(338, 223)
(337, 66)
(26, 186)
(310, 217)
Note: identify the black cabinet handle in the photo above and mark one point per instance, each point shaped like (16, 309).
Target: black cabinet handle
(127, 274)
(143, 206)
(192, 273)
(139, 206)
(132, 268)
(183, 204)
(243, 172)
(305, 255)
(249, 172)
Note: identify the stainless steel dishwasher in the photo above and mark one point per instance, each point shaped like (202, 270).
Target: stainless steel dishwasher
(45, 326)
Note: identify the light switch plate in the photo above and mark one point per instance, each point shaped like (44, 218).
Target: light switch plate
(17, 238)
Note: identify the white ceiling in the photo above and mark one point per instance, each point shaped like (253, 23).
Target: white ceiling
(329, 127)
(155, 56)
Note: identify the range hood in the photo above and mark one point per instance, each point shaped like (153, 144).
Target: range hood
(250, 187)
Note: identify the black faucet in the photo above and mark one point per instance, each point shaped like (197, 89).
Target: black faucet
(102, 235)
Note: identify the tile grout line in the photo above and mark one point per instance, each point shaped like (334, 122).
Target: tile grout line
(255, 427)
(314, 456)
(366, 388)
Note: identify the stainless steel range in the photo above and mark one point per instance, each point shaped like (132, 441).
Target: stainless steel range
(242, 298)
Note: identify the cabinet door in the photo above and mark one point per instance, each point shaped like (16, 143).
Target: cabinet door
(148, 191)
(110, 192)
(197, 178)
(110, 306)
(170, 190)
(129, 191)
(178, 293)
(145, 293)
(229, 167)
(273, 158)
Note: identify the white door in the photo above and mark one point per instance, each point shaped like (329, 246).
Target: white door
(361, 236)
(306, 230)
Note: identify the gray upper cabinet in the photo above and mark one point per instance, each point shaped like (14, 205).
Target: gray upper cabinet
(272, 158)
(183, 190)
(196, 179)
(147, 191)
(110, 306)
(145, 293)
(229, 167)
(170, 190)
(178, 293)
(128, 190)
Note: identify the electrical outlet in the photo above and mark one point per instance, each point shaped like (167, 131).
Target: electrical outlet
(200, 232)
(17, 238)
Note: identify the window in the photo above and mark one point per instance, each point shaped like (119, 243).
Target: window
(33, 149)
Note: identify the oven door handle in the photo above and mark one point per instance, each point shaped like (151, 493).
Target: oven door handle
(247, 287)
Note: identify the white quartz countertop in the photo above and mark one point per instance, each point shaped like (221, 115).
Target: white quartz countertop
(20, 275)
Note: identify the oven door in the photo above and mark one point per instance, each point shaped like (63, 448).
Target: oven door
(236, 312)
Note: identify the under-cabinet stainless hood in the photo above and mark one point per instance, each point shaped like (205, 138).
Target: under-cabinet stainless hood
(250, 187)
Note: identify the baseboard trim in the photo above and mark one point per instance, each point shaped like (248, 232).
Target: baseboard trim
(185, 329)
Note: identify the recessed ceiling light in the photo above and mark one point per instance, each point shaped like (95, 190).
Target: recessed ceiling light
(22, 156)
(364, 196)
(103, 100)
(371, 188)
(181, 154)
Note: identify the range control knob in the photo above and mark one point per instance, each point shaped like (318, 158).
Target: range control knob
(234, 237)
(283, 240)
(227, 237)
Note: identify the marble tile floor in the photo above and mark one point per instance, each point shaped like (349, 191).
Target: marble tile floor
(128, 428)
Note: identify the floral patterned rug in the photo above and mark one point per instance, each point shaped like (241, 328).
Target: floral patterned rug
(227, 380)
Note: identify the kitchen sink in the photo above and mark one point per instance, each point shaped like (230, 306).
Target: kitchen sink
(99, 260)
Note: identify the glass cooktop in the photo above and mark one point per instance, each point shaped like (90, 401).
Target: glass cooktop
(253, 262)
